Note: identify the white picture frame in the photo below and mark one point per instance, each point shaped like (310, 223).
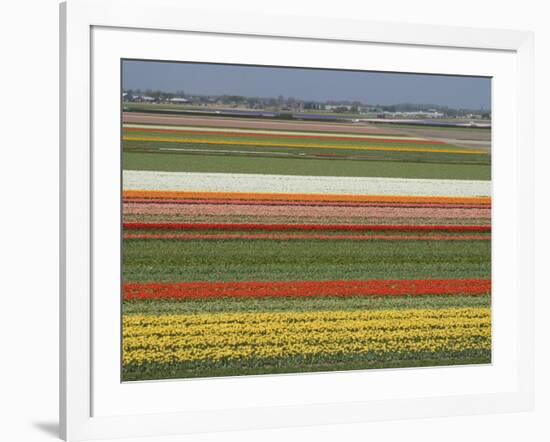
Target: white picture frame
(83, 413)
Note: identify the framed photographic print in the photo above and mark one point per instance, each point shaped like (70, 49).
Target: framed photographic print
(267, 234)
(316, 221)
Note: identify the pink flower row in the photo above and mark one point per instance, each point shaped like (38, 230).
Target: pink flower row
(301, 211)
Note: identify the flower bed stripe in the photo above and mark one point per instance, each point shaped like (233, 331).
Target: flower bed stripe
(300, 227)
(304, 145)
(298, 212)
(287, 136)
(300, 184)
(206, 290)
(371, 132)
(238, 202)
(236, 196)
(279, 237)
(240, 336)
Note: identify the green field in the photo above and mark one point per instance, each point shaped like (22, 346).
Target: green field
(295, 166)
(245, 260)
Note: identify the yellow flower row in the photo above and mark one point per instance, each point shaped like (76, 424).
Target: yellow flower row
(302, 145)
(290, 316)
(313, 336)
(313, 325)
(183, 338)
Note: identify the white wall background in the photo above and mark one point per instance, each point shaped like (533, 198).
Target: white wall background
(28, 186)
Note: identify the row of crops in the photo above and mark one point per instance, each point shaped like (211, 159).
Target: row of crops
(232, 273)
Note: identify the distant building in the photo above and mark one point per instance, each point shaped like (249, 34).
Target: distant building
(333, 107)
(412, 114)
(179, 100)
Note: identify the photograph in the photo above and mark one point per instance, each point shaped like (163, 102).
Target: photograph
(282, 219)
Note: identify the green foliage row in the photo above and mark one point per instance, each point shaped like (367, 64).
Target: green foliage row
(164, 307)
(245, 260)
(214, 163)
(318, 363)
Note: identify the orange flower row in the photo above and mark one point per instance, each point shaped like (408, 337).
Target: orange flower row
(165, 194)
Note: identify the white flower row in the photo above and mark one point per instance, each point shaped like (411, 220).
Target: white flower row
(229, 182)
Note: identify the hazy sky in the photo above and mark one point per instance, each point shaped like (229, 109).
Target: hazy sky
(308, 84)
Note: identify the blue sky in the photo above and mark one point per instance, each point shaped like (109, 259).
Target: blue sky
(308, 84)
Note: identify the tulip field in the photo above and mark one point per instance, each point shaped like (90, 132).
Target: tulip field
(261, 251)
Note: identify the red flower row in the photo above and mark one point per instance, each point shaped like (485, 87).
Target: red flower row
(252, 289)
(299, 236)
(308, 227)
(304, 203)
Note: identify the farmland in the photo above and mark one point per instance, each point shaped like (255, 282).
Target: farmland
(291, 148)
(263, 247)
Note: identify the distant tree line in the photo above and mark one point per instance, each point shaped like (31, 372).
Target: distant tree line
(291, 103)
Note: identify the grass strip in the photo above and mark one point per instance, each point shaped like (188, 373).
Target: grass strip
(164, 307)
(309, 167)
(138, 372)
(300, 153)
(243, 260)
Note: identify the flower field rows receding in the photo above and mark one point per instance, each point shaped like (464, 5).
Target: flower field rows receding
(250, 273)
(236, 133)
(340, 153)
(418, 283)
